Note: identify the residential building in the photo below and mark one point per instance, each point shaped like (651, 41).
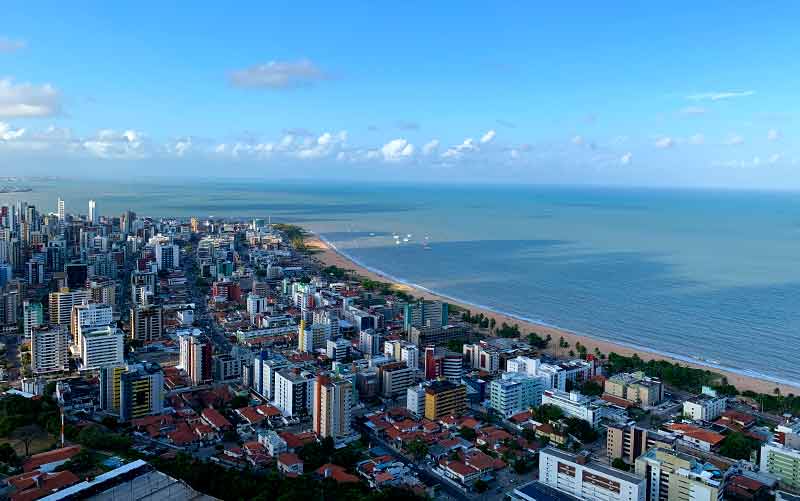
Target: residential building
(265, 369)
(32, 317)
(168, 256)
(579, 476)
(273, 442)
(101, 347)
(553, 376)
(370, 342)
(675, 476)
(415, 400)
(314, 337)
(92, 212)
(514, 392)
(332, 405)
(438, 335)
(195, 355)
(146, 322)
(132, 391)
(629, 441)
(704, 407)
(395, 378)
(636, 388)
(294, 391)
(424, 313)
(9, 303)
(783, 462)
(444, 398)
(442, 363)
(402, 351)
(482, 356)
(575, 404)
(337, 349)
(89, 315)
(61, 303)
(49, 350)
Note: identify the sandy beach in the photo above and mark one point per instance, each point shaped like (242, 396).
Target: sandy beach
(330, 257)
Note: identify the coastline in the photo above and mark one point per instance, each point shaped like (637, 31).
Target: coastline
(329, 255)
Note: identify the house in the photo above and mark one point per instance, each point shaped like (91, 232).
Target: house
(703, 439)
(215, 419)
(336, 472)
(290, 464)
(250, 415)
(37, 484)
(50, 460)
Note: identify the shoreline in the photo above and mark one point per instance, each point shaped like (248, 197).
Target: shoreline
(328, 254)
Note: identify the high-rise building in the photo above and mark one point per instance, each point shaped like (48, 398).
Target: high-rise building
(442, 363)
(101, 347)
(515, 392)
(49, 350)
(132, 391)
(370, 342)
(395, 378)
(628, 441)
(402, 351)
(444, 398)
(294, 391)
(636, 388)
(9, 303)
(579, 476)
(674, 476)
(337, 349)
(415, 400)
(782, 462)
(61, 211)
(92, 212)
(332, 404)
(103, 291)
(32, 316)
(86, 316)
(168, 256)
(146, 322)
(265, 369)
(195, 355)
(424, 313)
(314, 337)
(60, 305)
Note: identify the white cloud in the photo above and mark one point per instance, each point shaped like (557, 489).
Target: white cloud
(716, 96)
(111, 144)
(396, 150)
(488, 137)
(693, 110)
(697, 139)
(773, 135)
(460, 150)
(28, 100)
(181, 146)
(9, 45)
(7, 133)
(278, 75)
(664, 143)
(626, 159)
(734, 140)
(430, 147)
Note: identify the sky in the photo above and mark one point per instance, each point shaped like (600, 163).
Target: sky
(615, 93)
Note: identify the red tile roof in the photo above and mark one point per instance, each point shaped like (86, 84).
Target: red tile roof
(27, 489)
(53, 456)
(215, 419)
(250, 415)
(336, 472)
(289, 459)
(268, 410)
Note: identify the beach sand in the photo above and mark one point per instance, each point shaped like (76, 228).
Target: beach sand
(330, 257)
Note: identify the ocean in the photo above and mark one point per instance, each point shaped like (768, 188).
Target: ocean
(709, 276)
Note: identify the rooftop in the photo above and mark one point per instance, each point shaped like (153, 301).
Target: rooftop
(605, 470)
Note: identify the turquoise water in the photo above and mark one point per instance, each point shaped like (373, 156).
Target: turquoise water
(706, 275)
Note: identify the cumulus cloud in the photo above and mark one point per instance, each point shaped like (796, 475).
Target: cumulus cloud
(626, 159)
(734, 140)
(9, 45)
(181, 146)
(397, 149)
(8, 133)
(664, 143)
(716, 96)
(111, 144)
(773, 135)
(430, 147)
(488, 137)
(26, 100)
(278, 75)
(460, 150)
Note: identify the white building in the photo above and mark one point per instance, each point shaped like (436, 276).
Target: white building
(61, 209)
(195, 355)
(553, 376)
(782, 462)
(92, 211)
(101, 346)
(331, 409)
(402, 351)
(272, 442)
(515, 392)
(482, 357)
(415, 400)
(579, 476)
(337, 349)
(49, 350)
(87, 316)
(574, 404)
(168, 256)
(255, 304)
(265, 371)
(294, 391)
(704, 407)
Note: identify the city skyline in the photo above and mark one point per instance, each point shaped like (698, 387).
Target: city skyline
(573, 94)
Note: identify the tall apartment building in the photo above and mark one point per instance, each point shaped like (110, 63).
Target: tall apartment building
(49, 350)
(32, 317)
(294, 391)
(782, 462)
(415, 400)
(265, 370)
(195, 355)
(332, 404)
(9, 304)
(146, 322)
(132, 391)
(60, 208)
(675, 476)
(88, 315)
(482, 357)
(103, 291)
(337, 349)
(425, 313)
(370, 342)
(636, 388)
(92, 212)
(101, 347)
(314, 337)
(395, 378)
(629, 441)
(577, 475)
(168, 256)
(60, 305)
(515, 392)
(402, 351)
(575, 404)
(444, 398)
(438, 335)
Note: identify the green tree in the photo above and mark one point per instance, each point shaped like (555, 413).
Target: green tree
(591, 388)
(620, 464)
(467, 433)
(737, 446)
(418, 449)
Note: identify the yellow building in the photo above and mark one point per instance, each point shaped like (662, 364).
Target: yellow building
(444, 398)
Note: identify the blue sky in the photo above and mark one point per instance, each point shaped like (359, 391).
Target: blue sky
(624, 93)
